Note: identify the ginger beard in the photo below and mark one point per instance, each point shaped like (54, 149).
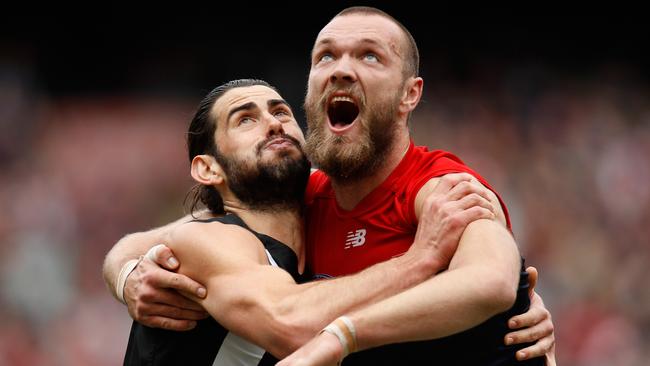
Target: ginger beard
(344, 158)
(268, 184)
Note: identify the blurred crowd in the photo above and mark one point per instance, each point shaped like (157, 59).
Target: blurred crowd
(571, 158)
(569, 155)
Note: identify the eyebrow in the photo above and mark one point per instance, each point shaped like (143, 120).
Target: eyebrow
(327, 41)
(275, 102)
(244, 107)
(372, 41)
(323, 41)
(251, 105)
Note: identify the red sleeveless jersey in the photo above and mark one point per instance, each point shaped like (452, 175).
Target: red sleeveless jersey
(382, 225)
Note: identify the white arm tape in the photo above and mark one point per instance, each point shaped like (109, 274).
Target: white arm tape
(351, 328)
(129, 266)
(153, 252)
(334, 329)
(344, 330)
(126, 270)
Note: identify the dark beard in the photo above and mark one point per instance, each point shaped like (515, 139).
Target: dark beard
(342, 159)
(274, 186)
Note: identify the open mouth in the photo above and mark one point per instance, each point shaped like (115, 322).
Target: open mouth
(342, 111)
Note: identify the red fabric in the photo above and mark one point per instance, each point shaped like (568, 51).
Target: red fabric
(382, 225)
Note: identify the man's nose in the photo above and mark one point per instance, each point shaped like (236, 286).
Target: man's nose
(274, 125)
(343, 71)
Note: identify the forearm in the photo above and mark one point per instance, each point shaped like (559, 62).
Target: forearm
(451, 302)
(432, 309)
(134, 245)
(307, 309)
(129, 247)
(268, 308)
(481, 281)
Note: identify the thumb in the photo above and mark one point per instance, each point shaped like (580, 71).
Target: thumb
(163, 256)
(532, 279)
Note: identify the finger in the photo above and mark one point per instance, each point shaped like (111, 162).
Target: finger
(532, 279)
(474, 213)
(173, 312)
(536, 350)
(168, 323)
(533, 316)
(530, 334)
(171, 298)
(151, 286)
(163, 256)
(179, 282)
(188, 296)
(448, 181)
(465, 188)
(474, 199)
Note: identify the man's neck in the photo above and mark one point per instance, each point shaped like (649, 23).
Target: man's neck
(285, 225)
(350, 193)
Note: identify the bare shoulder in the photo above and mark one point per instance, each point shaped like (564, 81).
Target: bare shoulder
(162, 233)
(212, 246)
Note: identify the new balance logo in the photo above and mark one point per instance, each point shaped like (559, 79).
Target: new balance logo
(355, 238)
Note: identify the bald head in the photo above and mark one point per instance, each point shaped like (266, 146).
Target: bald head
(409, 47)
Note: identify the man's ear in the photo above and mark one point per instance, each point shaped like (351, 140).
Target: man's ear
(207, 171)
(412, 94)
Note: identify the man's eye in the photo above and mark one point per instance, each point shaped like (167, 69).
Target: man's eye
(326, 58)
(246, 120)
(281, 113)
(371, 57)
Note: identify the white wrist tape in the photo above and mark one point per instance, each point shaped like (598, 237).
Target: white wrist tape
(126, 270)
(344, 330)
(129, 266)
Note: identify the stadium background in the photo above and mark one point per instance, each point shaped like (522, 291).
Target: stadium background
(553, 109)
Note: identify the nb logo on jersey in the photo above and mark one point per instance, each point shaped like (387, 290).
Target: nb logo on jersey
(355, 238)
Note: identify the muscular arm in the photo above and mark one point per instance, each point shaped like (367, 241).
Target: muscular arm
(133, 246)
(464, 296)
(150, 292)
(262, 303)
(152, 301)
(481, 282)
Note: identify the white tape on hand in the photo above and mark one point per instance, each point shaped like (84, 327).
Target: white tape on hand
(129, 266)
(126, 270)
(152, 254)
